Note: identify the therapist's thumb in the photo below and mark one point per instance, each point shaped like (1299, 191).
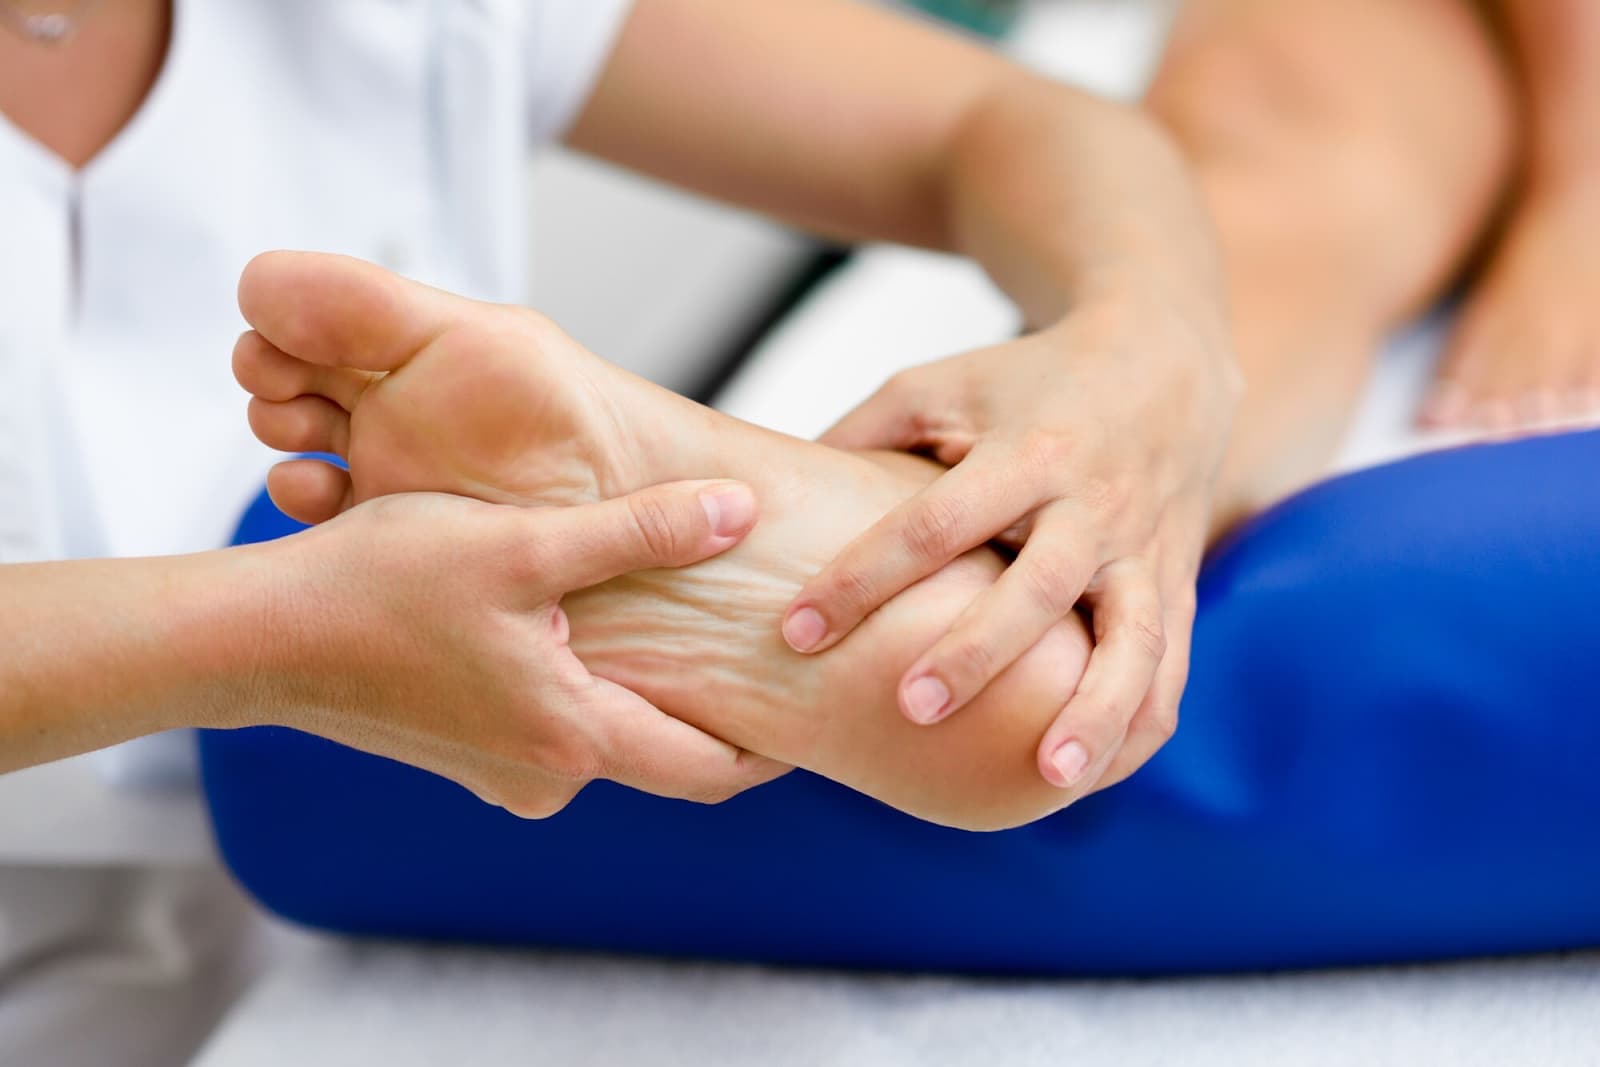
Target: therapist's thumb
(883, 420)
(669, 525)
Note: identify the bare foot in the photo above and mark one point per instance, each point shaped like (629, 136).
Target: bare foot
(419, 389)
(1526, 353)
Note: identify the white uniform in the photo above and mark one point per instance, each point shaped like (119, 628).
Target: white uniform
(393, 130)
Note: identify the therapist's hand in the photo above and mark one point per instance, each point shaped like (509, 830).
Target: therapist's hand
(428, 628)
(1092, 448)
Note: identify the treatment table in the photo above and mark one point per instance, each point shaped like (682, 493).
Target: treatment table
(330, 999)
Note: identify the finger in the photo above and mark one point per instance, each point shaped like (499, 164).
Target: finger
(964, 508)
(1129, 645)
(671, 525)
(1157, 719)
(883, 420)
(1038, 590)
(342, 312)
(269, 373)
(310, 490)
(644, 748)
(304, 424)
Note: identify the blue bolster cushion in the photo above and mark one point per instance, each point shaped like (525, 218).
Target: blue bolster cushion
(1390, 750)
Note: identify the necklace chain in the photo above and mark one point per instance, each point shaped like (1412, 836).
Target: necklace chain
(50, 27)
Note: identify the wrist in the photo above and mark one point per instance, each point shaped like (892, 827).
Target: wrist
(1147, 316)
(246, 636)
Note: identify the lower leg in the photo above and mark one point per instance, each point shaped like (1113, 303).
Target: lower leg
(1527, 350)
(1350, 151)
(496, 403)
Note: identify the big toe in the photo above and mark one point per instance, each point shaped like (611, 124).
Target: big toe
(342, 312)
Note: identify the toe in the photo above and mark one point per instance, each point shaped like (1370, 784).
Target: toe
(1540, 406)
(269, 373)
(1543, 383)
(304, 424)
(341, 312)
(1580, 392)
(1584, 401)
(1458, 382)
(1502, 383)
(1496, 415)
(309, 490)
(1446, 405)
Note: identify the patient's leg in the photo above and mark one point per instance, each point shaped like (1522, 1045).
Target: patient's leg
(1350, 151)
(497, 403)
(1527, 349)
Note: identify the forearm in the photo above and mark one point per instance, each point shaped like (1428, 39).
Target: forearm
(97, 652)
(1556, 48)
(1066, 200)
(865, 125)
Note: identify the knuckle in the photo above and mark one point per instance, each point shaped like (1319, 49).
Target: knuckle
(523, 558)
(540, 803)
(653, 520)
(1050, 585)
(580, 764)
(713, 792)
(933, 530)
(568, 759)
(1163, 721)
(539, 327)
(1105, 496)
(969, 659)
(852, 590)
(1150, 636)
(483, 338)
(1045, 449)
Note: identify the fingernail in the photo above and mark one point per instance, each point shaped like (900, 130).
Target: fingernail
(925, 699)
(804, 630)
(729, 508)
(1070, 760)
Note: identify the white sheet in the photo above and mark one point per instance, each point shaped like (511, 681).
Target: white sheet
(401, 1006)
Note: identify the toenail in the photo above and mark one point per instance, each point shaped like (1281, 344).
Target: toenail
(925, 699)
(729, 509)
(804, 630)
(1448, 404)
(1069, 760)
(1540, 407)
